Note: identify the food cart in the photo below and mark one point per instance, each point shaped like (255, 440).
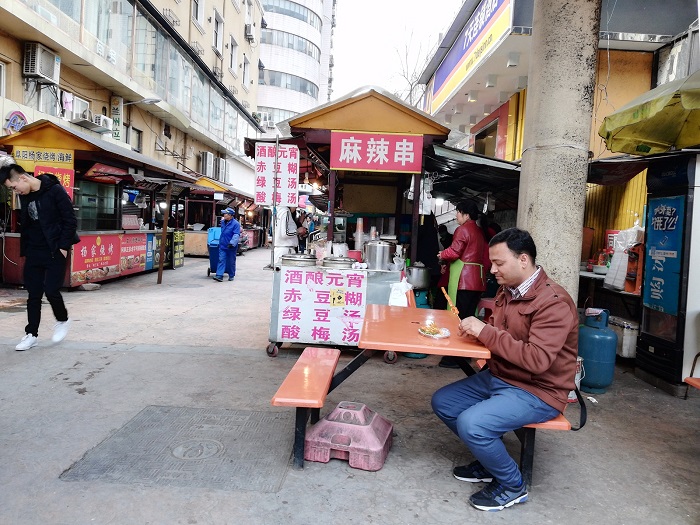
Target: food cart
(323, 305)
(362, 152)
(116, 193)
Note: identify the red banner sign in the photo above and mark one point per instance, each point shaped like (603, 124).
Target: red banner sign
(361, 151)
(132, 253)
(95, 257)
(65, 176)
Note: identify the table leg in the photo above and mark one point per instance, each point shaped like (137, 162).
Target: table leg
(463, 363)
(359, 360)
(302, 416)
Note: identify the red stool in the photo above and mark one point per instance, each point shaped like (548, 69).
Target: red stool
(487, 304)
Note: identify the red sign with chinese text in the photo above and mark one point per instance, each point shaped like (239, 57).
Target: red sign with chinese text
(65, 176)
(390, 152)
(95, 258)
(132, 253)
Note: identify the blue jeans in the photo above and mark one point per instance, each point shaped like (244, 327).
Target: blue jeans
(227, 261)
(480, 409)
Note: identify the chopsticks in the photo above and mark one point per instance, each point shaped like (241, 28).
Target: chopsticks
(453, 308)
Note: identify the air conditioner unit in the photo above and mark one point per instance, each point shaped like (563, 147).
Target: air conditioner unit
(206, 163)
(102, 121)
(249, 33)
(42, 63)
(269, 124)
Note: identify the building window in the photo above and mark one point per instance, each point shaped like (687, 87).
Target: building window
(198, 11)
(135, 138)
(287, 81)
(48, 99)
(2, 78)
(291, 41)
(294, 10)
(233, 56)
(218, 33)
(246, 72)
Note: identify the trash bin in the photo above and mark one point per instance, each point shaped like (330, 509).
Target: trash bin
(213, 235)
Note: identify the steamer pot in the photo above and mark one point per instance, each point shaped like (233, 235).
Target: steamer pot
(379, 254)
(419, 277)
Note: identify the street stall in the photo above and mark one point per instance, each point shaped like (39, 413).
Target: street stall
(362, 151)
(116, 195)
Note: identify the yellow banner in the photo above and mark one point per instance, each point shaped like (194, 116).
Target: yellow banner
(480, 49)
(28, 157)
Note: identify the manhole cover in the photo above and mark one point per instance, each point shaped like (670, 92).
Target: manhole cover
(197, 449)
(194, 447)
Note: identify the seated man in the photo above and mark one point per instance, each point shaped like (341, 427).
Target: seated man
(533, 339)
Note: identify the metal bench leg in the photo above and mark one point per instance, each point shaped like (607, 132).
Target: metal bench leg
(315, 415)
(302, 416)
(527, 453)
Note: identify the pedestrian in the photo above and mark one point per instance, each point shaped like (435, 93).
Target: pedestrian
(286, 234)
(466, 255)
(445, 236)
(48, 231)
(303, 221)
(533, 340)
(228, 245)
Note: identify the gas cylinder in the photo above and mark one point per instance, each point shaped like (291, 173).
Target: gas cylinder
(597, 345)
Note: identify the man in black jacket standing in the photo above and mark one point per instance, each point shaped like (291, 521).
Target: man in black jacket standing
(48, 230)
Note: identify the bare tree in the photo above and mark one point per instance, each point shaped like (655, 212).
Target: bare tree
(412, 65)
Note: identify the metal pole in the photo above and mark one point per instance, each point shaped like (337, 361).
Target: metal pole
(164, 233)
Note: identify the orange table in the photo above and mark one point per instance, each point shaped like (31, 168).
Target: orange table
(395, 329)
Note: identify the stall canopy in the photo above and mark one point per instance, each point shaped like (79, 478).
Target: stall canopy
(90, 150)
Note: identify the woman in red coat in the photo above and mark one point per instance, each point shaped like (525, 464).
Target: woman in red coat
(468, 245)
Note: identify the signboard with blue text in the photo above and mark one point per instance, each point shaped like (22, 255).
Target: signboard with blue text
(664, 252)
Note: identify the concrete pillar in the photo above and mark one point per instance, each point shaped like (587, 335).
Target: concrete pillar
(558, 113)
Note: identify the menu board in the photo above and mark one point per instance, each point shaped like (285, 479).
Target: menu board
(321, 306)
(132, 253)
(276, 174)
(178, 249)
(95, 258)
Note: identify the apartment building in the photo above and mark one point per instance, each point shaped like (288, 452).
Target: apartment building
(296, 57)
(174, 80)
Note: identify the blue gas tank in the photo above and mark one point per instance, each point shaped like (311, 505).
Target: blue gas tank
(596, 345)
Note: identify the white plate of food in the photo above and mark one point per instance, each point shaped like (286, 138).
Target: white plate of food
(434, 331)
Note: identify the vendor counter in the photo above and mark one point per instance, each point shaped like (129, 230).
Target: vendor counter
(593, 294)
(102, 255)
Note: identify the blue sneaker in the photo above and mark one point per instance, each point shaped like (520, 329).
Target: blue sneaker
(230, 278)
(496, 497)
(217, 278)
(473, 473)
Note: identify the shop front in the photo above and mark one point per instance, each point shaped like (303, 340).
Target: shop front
(118, 198)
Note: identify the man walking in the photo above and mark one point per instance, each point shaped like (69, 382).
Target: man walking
(48, 230)
(533, 339)
(228, 245)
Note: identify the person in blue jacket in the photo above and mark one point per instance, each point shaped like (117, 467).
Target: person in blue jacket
(228, 245)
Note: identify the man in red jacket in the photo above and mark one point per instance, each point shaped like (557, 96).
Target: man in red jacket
(533, 338)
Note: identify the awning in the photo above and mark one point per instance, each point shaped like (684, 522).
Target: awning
(459, 174)
(112, 151)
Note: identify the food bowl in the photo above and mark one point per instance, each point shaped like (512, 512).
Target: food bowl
(600, 269)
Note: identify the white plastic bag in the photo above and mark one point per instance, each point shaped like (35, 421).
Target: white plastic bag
(397, 297)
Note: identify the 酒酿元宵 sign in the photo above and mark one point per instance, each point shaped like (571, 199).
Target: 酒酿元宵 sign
(276, 174)
(390, 152)
(324, 307)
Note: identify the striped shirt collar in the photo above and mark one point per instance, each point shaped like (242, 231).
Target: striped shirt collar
(520, 291)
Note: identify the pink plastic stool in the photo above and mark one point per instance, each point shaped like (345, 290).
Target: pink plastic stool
(350, 432)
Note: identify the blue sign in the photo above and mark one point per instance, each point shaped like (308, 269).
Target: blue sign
(664, 252)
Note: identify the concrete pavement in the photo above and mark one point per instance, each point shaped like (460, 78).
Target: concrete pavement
(192, 342)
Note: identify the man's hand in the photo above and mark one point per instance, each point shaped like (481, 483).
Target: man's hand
(471, 326)
(64, 252)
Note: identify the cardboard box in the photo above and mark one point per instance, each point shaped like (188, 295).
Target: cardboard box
(627, 332)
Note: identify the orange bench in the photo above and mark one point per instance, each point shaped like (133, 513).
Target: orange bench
(305, 388)
(692, 381)
(526, 434)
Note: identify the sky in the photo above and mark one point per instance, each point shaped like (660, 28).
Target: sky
(372, 38)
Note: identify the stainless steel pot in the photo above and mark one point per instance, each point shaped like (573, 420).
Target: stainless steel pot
(419, 277)
(298, 259)
(379, 254)
(340, 263)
